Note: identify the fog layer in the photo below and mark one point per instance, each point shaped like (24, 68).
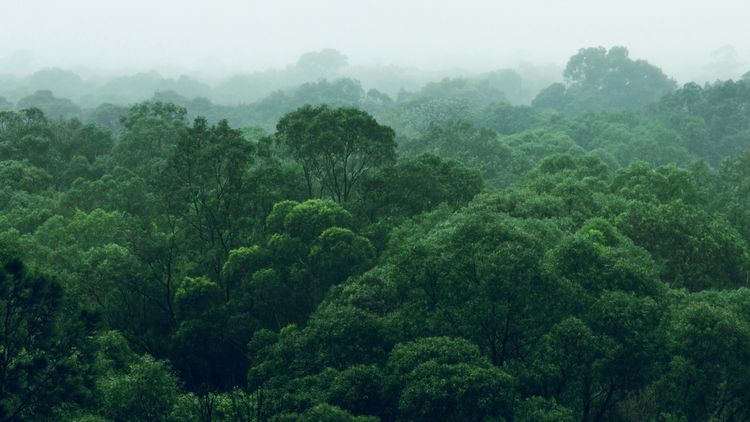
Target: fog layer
(689, 40)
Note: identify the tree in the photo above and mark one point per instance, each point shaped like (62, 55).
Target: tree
(712, 120)
(707, 376)
(538, 409)
(694, 249)
(597, 79)
(310, 218)
(598, 258)
(54, 107)
(309, 248)
(325, 412)
(507, 119)
(335, 147)
(22, 176)
(210, 351)
(478, 93)
(151, 132)
(478, 276)
(72, 138)
(734, 192)
(338, 253)
(145, 392)
(42, 354)
(447, 379)
(416, 185)
(569, 361)
(63, 82)
(456, 393)
(107, 116)
(203, 184)
(29, 136)
(324, 62)
(342, 91)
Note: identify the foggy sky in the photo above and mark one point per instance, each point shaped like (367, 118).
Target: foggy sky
(223, 36)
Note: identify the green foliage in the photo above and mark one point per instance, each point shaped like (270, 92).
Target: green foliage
(151, 133)
(706, 377)
(538, 409)
(506, 119)
(325, 412)
(56, 108)
(570, 361)
(517, 264)
(335, 147)
(326, 60)
(694, 250)
(448, 379)
(480, 270)
(146, 391)
(456, 393)
(601, 79)
(196, 296)
(338, 253)
(277, 216)
(413, 118)
(235, 405)
(203, 184)
(598, 258)
(711, 119)
(477, 93)
(310, 218)
(44, 355)
(21, 176)
(406, 357)
(460, 140)
(734, 193)
(414, 186)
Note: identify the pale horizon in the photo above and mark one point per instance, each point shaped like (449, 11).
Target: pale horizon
(229, 37)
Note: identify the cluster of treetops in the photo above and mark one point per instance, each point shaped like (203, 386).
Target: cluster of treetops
(443, 256)
(517, 85)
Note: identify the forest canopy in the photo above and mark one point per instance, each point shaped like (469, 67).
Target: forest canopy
(463, 250)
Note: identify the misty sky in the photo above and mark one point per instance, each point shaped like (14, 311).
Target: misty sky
(242, 35)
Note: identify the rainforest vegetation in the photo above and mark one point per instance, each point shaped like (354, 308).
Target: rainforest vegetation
(475, 248)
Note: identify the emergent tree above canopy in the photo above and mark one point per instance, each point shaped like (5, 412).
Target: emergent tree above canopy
(336, 147)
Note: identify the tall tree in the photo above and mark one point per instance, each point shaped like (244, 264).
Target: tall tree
(597, 78)
(336, 147)
(204, 183)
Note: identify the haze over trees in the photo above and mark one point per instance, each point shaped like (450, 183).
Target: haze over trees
(337, 251)
(597, 79)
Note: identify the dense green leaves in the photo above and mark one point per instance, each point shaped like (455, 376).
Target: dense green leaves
(336, 147)
(511, 264)
(43, 359)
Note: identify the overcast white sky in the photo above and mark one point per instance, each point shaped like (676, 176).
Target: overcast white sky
(240, 35)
